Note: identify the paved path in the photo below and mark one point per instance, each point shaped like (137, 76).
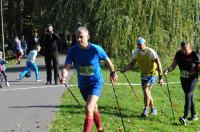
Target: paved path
(29, 106)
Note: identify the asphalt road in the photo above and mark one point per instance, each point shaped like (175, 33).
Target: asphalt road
(27, 105)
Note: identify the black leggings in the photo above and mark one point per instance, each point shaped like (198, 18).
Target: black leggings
(189, 85)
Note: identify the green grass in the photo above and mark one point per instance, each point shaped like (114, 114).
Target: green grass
(11, 62)
(70, 118)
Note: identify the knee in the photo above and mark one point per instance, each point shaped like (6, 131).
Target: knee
(189, 95)
(146, 91)
(89, 109)
(95, 108)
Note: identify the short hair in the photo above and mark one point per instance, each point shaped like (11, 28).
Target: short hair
(184, 43)
(82, 29)
(49, 25)
(37, 46)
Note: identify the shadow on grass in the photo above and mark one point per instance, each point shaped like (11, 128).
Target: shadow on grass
(135, 115)
(77, 109)
(48, 106)
(72, 109)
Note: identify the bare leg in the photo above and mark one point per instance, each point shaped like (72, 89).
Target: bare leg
(91, 107)
(148, 100)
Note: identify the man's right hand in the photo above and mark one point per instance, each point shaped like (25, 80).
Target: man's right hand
(64, 73)
(62, 80)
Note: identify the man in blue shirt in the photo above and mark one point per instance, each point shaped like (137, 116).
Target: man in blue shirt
(86, 57)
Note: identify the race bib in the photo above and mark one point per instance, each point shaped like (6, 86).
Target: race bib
(185, 74)
(86, 70)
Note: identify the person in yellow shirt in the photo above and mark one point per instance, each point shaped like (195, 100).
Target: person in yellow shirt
(150, 67)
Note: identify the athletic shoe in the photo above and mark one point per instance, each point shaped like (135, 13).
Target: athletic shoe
(193, 118)
(1, 86)
(154, 111)
(145, 112)
(101, 130)
(48, 82)
(182, 121)
(38, 80)
(7, 84)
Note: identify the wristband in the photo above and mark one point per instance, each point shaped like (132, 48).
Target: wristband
(160, 77)
(112, 73)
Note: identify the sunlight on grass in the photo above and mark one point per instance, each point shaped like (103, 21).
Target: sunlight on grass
(70, 118)
(11, 62)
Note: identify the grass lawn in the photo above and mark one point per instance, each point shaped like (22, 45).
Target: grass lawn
(70, 117)
(11, 63)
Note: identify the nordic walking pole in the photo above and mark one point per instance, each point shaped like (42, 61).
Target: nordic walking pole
(131, 87)
(73, 95)
(120, 112)
(130, 83)
(170, 97)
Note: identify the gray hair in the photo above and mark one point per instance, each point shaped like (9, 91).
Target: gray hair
(84, 29)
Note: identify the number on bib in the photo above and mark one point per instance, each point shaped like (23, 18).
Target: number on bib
(184, 74)
(86, 70)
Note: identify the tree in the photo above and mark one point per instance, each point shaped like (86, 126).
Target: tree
(112, 23)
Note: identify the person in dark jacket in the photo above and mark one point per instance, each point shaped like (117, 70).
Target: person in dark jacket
(188, 62)
(50, 46)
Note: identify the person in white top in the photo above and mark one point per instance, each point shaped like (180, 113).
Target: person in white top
(150, 67)
(30, 64)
